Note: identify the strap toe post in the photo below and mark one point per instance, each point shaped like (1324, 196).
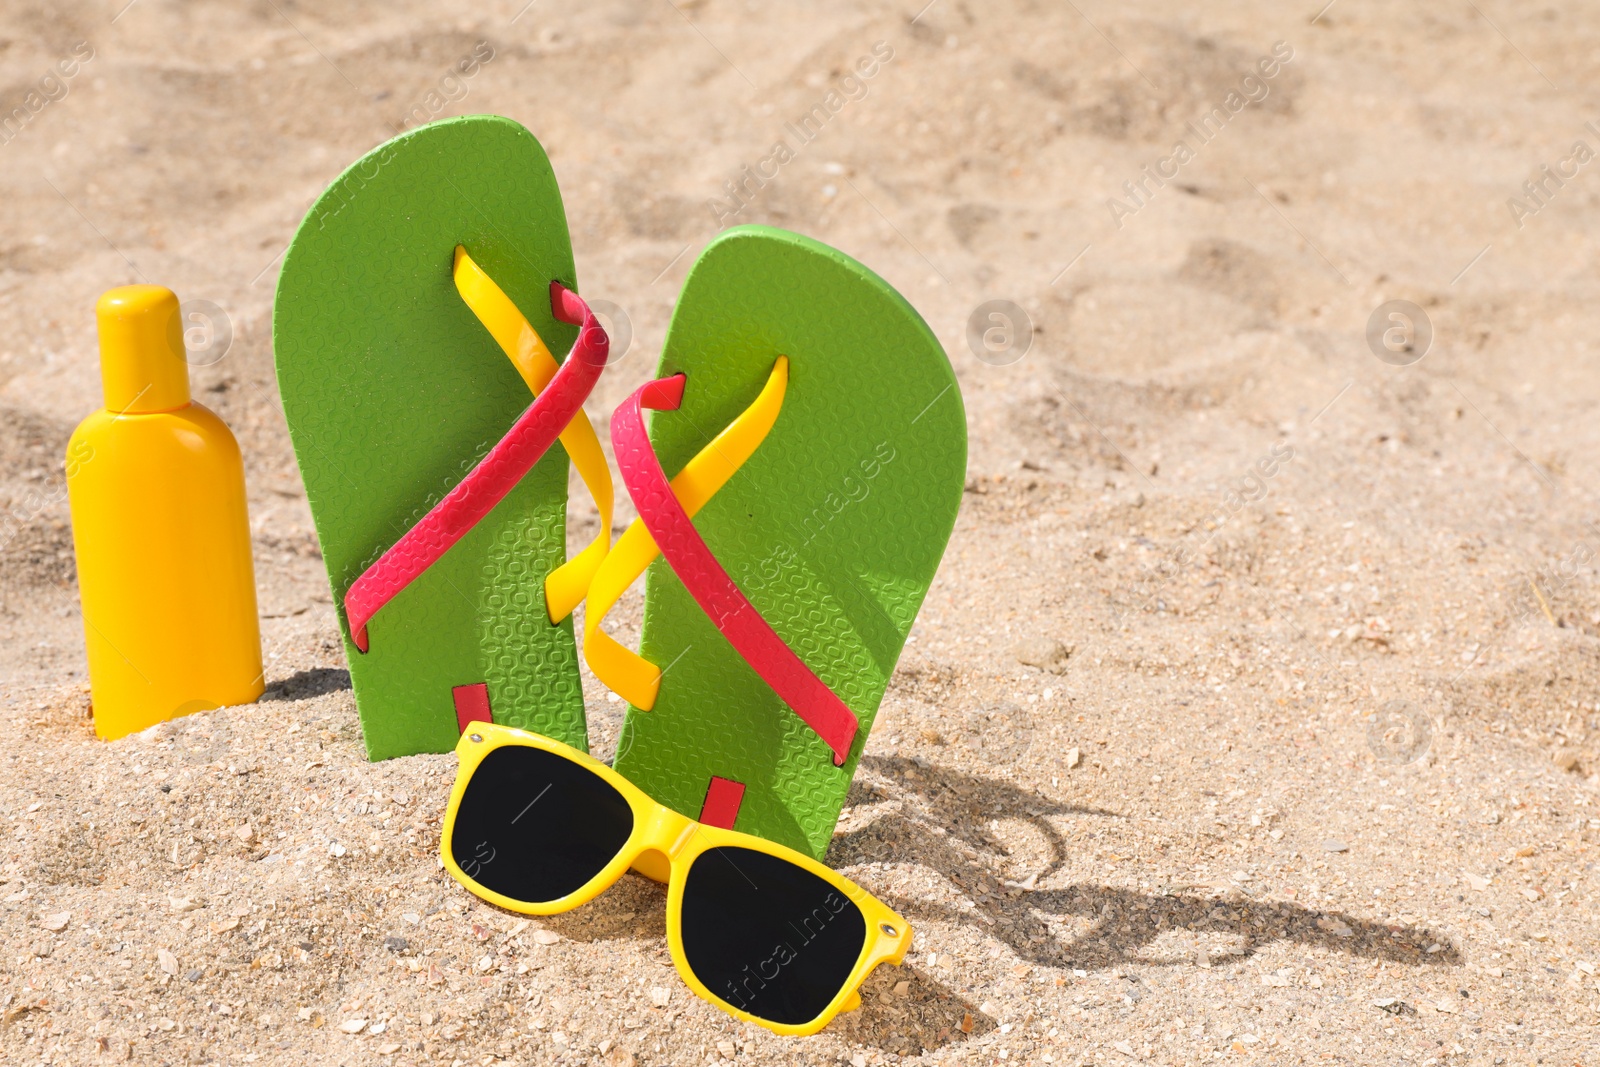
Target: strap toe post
(663, 394)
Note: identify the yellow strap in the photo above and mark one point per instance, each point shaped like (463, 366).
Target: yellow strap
(626, 673)
(566, 586)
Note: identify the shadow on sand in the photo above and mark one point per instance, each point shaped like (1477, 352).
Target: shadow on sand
(942, 810)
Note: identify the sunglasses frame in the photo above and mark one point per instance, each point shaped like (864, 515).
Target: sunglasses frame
(663, 845)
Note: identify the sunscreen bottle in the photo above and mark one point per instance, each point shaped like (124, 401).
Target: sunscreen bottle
(156, 486)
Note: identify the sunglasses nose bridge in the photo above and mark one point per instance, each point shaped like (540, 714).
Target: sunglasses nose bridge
(668, 832)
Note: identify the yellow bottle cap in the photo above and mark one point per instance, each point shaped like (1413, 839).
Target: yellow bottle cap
(142, 364)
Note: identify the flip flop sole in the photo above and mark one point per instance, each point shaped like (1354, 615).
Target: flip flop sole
(833, 528)
(393, 391)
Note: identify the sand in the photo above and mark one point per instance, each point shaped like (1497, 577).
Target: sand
(1253, 714)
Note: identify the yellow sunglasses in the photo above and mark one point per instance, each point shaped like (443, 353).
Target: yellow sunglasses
(766, 934)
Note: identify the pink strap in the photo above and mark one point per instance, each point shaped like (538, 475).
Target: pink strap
(686, 551)
(494, 476)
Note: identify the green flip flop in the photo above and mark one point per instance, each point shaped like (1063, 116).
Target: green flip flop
(396, 395)
(824, 505)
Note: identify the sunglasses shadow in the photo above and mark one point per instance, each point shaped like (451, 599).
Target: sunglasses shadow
(941, 810)
(634, 908)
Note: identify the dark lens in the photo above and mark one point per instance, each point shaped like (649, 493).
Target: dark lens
(766, 936)
(534, 826)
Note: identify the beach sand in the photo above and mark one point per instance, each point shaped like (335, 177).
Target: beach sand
(1253, 714)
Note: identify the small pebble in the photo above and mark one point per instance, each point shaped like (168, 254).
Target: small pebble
(1045, 653)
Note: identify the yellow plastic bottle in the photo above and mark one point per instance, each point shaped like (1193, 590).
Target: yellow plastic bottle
(156, 486)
